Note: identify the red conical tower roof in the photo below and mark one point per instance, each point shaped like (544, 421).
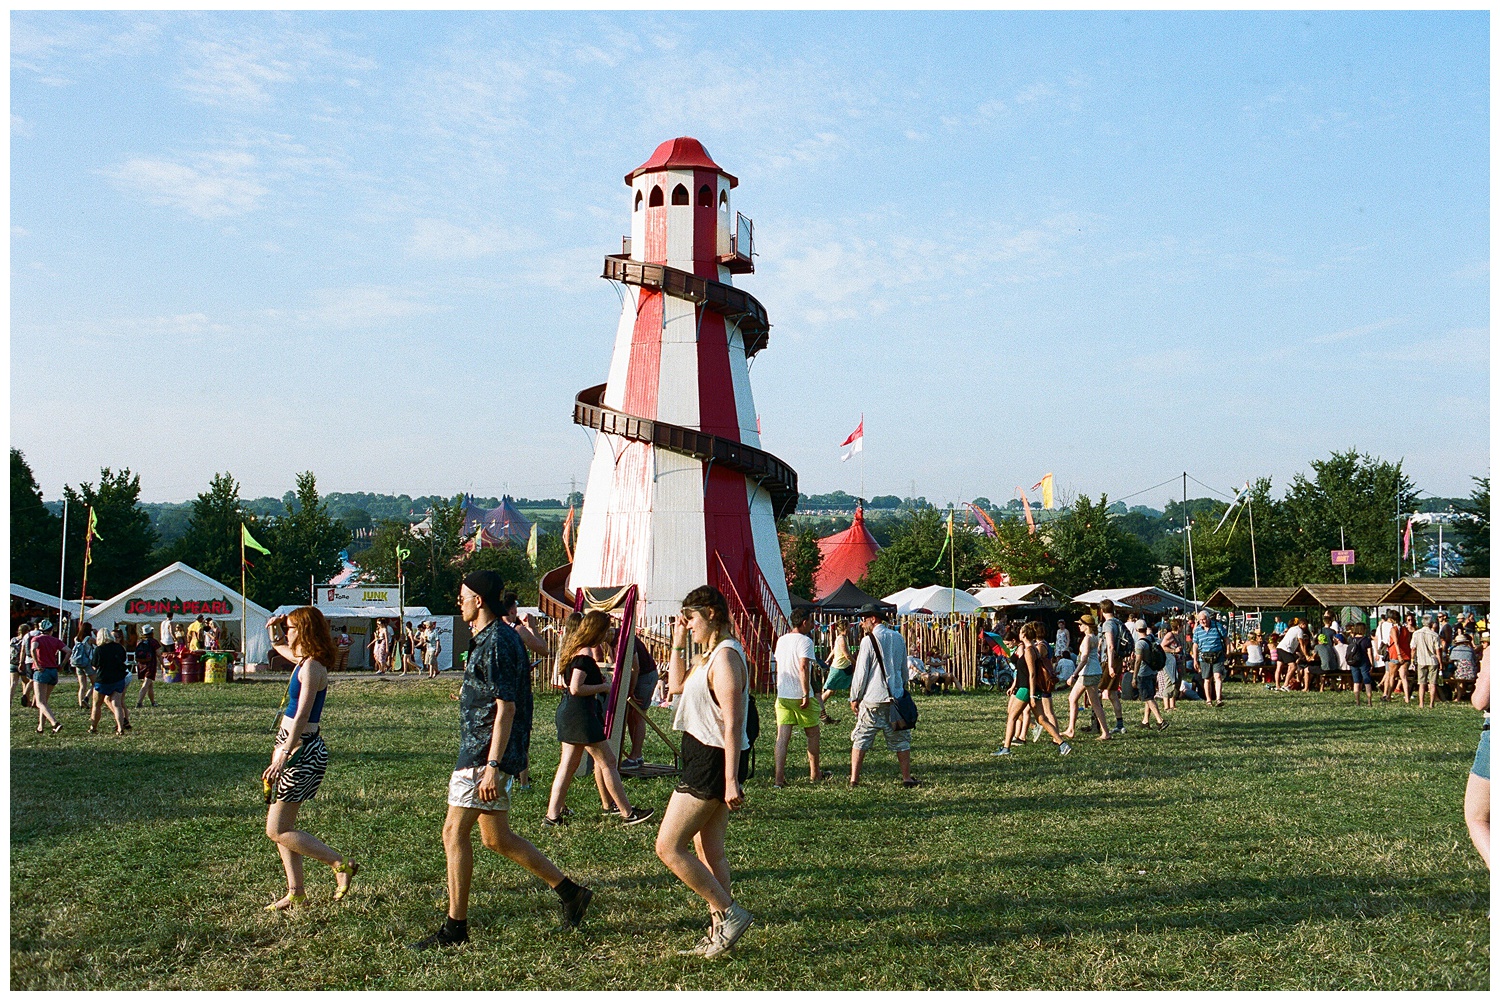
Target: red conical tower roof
(684, 151)
(846, 554)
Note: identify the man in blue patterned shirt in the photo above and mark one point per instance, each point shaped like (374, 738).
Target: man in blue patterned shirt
(493, 742)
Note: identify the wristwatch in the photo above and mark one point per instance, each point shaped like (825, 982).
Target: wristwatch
(492, 764)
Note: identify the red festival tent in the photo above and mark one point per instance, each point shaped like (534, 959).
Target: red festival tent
(845, 556)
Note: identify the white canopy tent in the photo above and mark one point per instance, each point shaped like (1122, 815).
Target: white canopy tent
(1012, 596)
(188, 594)
(935, 600)
(358, 620)
(1139, 599)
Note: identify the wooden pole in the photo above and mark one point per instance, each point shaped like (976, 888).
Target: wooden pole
(62, 573)
(244, 634)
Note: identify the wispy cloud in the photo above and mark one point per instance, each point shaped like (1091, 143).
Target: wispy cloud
(250, 65)
(212, 186)
(444, 241)
(362, 306)
(1350, 333)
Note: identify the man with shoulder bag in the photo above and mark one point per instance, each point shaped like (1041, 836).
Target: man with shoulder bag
(878, 696)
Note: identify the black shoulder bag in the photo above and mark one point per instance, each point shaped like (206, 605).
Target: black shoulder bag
(903, 714)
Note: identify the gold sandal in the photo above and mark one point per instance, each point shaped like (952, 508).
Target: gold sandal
(292, 900)
(340, 868)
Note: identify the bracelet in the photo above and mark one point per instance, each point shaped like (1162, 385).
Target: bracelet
(677, 648)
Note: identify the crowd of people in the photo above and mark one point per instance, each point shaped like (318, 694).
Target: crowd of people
(420, 646)
(865, 663)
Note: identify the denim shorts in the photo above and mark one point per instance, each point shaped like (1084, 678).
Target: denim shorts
(1482, 756)
(114, 688)
(1361, 676)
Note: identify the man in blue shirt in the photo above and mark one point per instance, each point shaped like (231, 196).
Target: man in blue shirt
(493, 744)
(1208, 649)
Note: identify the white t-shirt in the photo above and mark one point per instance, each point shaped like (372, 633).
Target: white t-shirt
(791, 650)
(1292, 641)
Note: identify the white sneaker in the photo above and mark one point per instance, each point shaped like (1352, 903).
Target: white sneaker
(1036, 730)
(1064, 749)
(732, 924)
(1000, 753)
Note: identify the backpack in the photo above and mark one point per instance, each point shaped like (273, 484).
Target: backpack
(82, 657)
(1156, 657)
(15, 651)
(1124, 646)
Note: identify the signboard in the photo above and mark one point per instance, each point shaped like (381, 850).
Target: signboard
(1341, 557)
(356, 594)
(178, 606)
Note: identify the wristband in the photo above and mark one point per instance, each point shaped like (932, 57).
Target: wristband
(492, 764)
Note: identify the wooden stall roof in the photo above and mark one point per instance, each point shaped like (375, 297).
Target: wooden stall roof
(1250, 597)
(1335, 595)
(1438, 591)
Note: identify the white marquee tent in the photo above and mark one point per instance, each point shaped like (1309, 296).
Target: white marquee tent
(188, 593)
(936, 600)
(358, 620)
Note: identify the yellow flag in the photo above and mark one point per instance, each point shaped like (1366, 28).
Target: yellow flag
(531, 547)
(1047, 492)
(94, 524)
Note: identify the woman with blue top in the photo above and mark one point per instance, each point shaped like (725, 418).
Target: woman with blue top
(301, 757)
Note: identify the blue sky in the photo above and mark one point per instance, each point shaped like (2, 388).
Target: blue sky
(1109, 246)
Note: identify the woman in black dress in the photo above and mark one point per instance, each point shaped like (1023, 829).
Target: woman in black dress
(580, 724)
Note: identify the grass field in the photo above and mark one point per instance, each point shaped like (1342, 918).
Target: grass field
(1284, 841)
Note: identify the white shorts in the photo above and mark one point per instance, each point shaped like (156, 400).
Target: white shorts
(463, 790)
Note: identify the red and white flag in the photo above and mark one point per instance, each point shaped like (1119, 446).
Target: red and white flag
(855, 442)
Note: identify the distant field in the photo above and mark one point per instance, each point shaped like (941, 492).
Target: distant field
(1285, 841)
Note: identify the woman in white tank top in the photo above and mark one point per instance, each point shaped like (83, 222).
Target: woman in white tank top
(712, 700)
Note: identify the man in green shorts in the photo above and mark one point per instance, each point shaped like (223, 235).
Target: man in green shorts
(796, 702)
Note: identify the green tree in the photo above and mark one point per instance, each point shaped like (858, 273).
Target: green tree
(304, 543)
(1019, 552)
(1473, 528)
(122, 552)
(911, 559)
(800, 556)
(510, 562)
(1348, 490)
(211, 544)
(1092, 551)
(35, 532)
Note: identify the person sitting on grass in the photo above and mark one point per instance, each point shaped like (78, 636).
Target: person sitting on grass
(580, 726)
(300, 759)
(493, 747)
(1035, 674)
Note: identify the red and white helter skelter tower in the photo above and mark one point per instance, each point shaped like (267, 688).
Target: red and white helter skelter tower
(679, 493)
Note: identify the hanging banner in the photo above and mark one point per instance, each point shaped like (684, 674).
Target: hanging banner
(326, 595)
(1341, 557)
(178, 606)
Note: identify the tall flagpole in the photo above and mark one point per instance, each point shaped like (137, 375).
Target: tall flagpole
(952, 566)
(62, 573)
(88, 551)
(244, 635)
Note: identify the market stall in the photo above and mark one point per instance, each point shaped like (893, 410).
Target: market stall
(357, 622)
(187, 593)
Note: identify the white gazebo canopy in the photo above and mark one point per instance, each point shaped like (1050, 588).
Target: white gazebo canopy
(1140, 599)
(935, 600)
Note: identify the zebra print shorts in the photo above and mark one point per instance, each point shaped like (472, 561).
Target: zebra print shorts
(299, 780)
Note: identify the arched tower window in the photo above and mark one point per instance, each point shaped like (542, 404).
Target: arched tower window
(638, 199)
(680, 195)
(656, 199)
(705, 197)
(723, 201)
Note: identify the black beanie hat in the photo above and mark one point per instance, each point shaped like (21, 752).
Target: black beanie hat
(489, 586)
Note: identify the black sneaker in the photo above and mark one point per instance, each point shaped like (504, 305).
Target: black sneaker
(610, 811)
(638, 815)
(561, 821)
(572, 910)
(440, 939)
